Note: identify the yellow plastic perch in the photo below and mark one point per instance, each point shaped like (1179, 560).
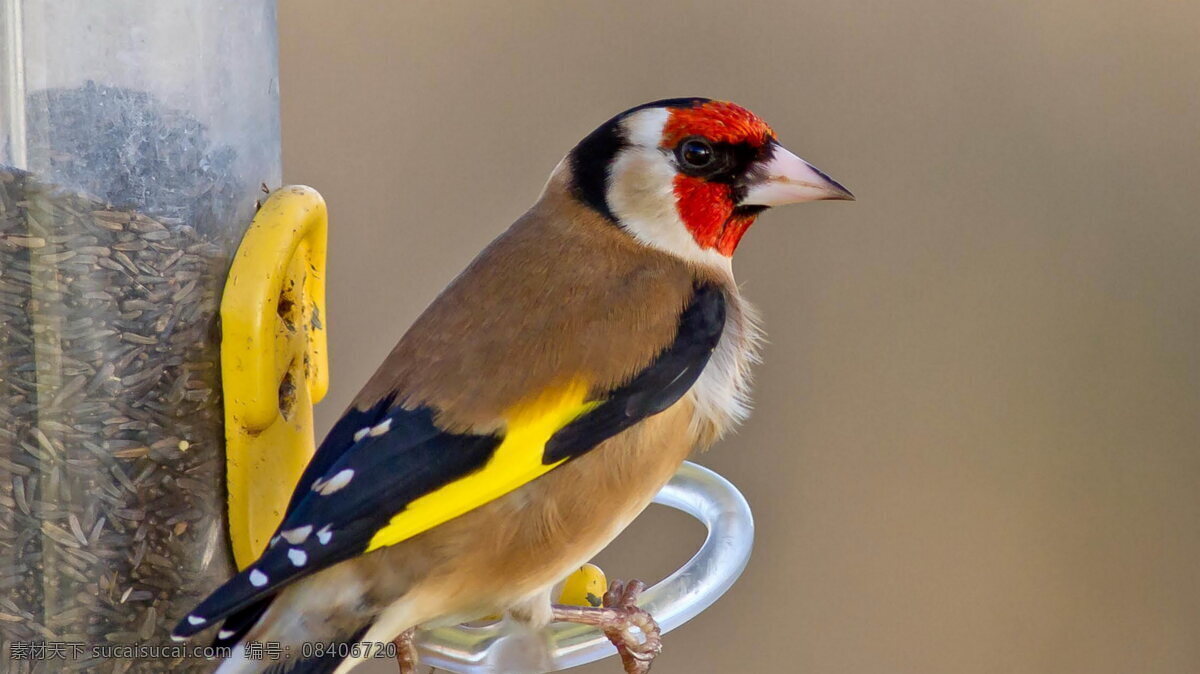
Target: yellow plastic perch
(273, 361)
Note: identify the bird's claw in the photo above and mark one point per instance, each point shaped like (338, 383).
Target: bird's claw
(406, 652)
(617, 618)
(636, 654)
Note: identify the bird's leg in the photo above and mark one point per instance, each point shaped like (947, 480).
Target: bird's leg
(616, 618)
(406, 651)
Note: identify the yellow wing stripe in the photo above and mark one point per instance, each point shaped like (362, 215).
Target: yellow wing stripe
(517, 460)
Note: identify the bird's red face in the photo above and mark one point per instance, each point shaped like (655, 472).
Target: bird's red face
(710, 142)
(691, 175)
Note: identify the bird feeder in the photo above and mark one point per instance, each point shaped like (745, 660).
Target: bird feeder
(146, 447)
(134, 137)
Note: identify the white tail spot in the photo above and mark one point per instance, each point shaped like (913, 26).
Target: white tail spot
(333, 484)
(380, 428)
(298, 535)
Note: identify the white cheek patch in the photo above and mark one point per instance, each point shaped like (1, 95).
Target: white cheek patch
(641, 195)
(641, 191)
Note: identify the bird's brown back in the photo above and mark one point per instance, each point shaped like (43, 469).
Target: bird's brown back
(562, 296)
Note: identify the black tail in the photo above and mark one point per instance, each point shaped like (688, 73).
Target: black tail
(239, 624)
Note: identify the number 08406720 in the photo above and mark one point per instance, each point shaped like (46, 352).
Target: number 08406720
(363, 649)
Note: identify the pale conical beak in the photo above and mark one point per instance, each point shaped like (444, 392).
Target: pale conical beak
(788, 179)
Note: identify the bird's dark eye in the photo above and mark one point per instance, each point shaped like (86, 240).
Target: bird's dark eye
(696, 153)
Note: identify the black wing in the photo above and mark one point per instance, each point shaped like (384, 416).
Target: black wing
(390, 456)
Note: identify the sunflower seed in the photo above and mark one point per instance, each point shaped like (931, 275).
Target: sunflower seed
(110, 421)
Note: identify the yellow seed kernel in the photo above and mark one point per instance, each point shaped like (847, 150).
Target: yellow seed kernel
(584, 587)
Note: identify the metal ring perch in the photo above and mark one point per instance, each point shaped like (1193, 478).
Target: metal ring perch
(695, 490)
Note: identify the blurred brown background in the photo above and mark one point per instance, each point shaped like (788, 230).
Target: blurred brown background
(977, 439)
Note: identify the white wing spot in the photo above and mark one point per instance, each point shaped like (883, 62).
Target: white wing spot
(177, 639)
(298, 557)
(224, 634)
(195, 620)
(324, 535)
(258, 578)
(361, 433)
(298, 535)
(334, 483)
(381, 428)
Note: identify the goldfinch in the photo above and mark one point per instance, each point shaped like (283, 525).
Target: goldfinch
(537, 405)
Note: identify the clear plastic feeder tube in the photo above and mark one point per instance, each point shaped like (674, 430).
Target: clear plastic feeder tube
(134, 136)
